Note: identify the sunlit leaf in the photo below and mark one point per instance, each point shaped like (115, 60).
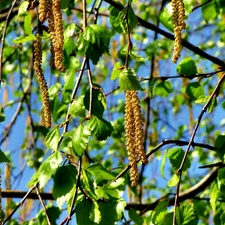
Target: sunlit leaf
(159, 212)
(101, 128)
(209, 11)
(187, 67)
(52, 138)
(23, 9)
(173, 180)
(83, 210)
(20, 40)
(77, 107)
(214, 194)
(212, 105)
(187, 214)
(114, 18)
(163, 163)
(116, 71)
(100, 172)
(165, 17)
(48, 168)
(27, 24)
(128, 80)
(80, 139)
(95, 214)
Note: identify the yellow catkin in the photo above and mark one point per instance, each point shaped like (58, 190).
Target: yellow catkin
(179, 24)
(130, 138)
(42, 10)
(58, 35)
(140, 152)
(41, 80)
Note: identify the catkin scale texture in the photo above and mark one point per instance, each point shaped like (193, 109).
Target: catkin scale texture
(41, 80)
(42, 10)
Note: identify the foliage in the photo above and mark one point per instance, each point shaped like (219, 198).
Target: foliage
(78, 170)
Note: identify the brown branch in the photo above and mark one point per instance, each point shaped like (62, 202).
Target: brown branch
(184, 43)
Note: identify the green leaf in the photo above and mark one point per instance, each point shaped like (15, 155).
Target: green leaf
(212, 105)
(98, 100)
(163, 163)
(222, 218)
(176, 156)
(173, 180)
(220, 146)
(77, 107)
(48, 168)
(52, 138)
(221, 176)
(94, 41)
(83, 210)
(187, 214)
(27, 24)
(20, 40)
(202, 99)
(194, 90)
(159, 212)
(3, 157)
(2, 115)
(135, 217)
(165, 17)
(107, 193)
(80, 139)
(68, 87)
(99, 172)
(116, 71)
(114, 18)
(132, 19)
(137, 57)
(128, 80)
(187, 67)
(214, 194)
(64, 4)
(23, 9)
(101, 128)
(209, 11)
(163, 89)
(64, 180)
(95, 214)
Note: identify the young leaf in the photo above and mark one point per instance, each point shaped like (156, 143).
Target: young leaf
(99, 172)
(77, 107)
(95, 214)
(80, 139)
(114, 18)
(128, 80)
(107, 192)
(163, 163)
(209, 11)
(173, 180)
(137, 57)
(163, 89)
(101, 128)
(94, 41)
(165, 17)
(175, 156)
(20, 40)
(23, 9)
(187, 214)
(64, 180)
(48, 168)
(194, 90)
(214, 194)
(116, 72)
(135, 217)
(132, 19)
(212, 105)
(3, 157)
(98, 101)
(202, 99)
(52, 138)
(27, 24)
(220, 146)
(187, 67)
(159, 212)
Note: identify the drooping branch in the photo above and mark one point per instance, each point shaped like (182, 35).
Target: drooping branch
(184, 43)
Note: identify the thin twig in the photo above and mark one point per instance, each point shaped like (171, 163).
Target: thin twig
(179, 171)
(3, 37)
(201, 5)
(20, 204)
(43, 205)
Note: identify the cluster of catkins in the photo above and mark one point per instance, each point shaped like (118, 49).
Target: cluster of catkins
(179, 25)
(134, 134)
(51, 10)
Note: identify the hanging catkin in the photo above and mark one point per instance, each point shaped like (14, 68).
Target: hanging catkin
(130, 138)
(134, 134)
(56, 33)
(179, 24)
(42, 10)
(41, 80)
